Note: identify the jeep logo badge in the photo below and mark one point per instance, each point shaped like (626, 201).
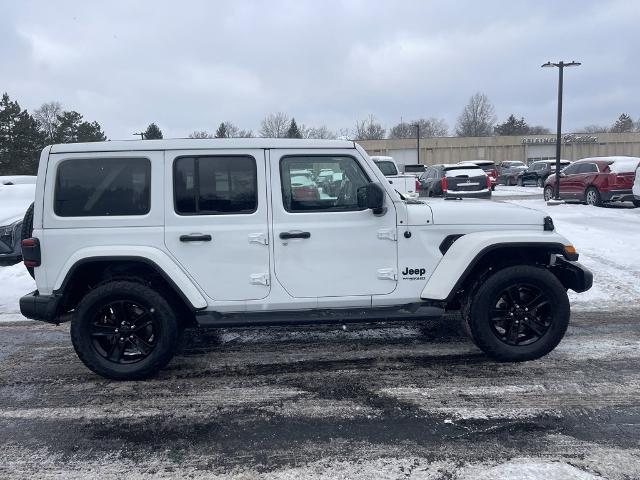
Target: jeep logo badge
(413, 273)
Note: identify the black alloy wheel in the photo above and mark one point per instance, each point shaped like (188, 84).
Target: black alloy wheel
(124, 332)
(521, 315)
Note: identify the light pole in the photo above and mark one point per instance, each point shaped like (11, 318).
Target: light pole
(418, 140)
(560, 65)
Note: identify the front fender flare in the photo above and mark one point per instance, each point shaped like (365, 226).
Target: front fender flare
(165, 264)
(468, 250)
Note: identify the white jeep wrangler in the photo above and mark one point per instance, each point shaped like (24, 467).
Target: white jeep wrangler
(133, 241)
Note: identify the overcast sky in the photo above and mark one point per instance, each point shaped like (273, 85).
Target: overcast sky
(188, 65)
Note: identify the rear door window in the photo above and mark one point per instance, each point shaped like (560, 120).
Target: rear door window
(215, 185)
(87, 187)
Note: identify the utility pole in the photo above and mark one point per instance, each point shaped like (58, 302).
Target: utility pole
(418, 140)
(560, 65)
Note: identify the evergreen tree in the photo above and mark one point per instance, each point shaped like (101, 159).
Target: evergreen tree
(623, 124)
(222, 131)
(153, 132)
(512, 126)
(20, 139)
(293, 131)
(73, 129)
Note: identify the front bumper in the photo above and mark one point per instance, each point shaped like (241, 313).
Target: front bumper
(573, 275)
(9, 259)
(40, 307)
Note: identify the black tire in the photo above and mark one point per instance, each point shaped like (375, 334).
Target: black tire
(88, 342)
(592, 197)
(27, 231)
(493, 187)
(551, 317)
(540, 182)
(636, 203)
(548, 193)
(510, 182)
(520, 182)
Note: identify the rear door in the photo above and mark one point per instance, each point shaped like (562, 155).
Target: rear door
(330, 247)
(216, 221)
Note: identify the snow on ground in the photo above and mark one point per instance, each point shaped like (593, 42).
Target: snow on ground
(14, 283)
(515, 191)
(608, 241)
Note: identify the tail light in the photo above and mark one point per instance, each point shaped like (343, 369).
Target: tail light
(488, 182)
(443, 184)
(31, 252)
(417, 185)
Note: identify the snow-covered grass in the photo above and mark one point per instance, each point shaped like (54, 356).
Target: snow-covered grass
(515, 191)
(608, 241)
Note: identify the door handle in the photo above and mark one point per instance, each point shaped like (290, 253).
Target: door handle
(288, 235)
(195, 237)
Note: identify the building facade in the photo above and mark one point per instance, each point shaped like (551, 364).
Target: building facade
(527, 148)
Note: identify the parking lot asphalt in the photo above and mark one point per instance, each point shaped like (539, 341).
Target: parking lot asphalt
(413, 400)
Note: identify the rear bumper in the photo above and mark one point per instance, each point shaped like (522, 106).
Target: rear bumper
(486, 193)
(573, 275)
(617, 195)
(40, 307)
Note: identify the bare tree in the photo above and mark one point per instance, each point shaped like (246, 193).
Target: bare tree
(200, 134)
(369, 129)
(319, 132)
(594, 129)
(429, 127)
(275, 125)
(478, 117)
(47, 118)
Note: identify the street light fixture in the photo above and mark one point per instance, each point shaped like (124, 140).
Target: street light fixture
(560, 65)
(141, 135)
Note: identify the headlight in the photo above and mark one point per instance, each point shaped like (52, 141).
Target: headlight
(8, 233)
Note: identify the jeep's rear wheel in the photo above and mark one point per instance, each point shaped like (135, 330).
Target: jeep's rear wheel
(124, 330)
(520, 313)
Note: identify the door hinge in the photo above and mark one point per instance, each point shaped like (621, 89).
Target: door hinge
(260, 238)
(387, 274)
(259, 279)
(388, 234)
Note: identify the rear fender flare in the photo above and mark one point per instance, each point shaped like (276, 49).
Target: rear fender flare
(153, 256)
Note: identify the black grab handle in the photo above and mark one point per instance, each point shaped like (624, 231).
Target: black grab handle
(288, 235)
(195, 238)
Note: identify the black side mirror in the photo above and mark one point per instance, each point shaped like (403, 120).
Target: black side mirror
(371, 196)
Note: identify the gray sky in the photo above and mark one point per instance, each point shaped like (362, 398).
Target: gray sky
(188, 65)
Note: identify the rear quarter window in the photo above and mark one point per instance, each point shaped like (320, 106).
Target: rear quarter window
(88, 187)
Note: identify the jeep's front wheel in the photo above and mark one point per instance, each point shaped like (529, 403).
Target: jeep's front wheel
(520, 313)
(124, 331)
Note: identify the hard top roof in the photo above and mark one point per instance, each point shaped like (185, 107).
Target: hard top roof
(199, 144)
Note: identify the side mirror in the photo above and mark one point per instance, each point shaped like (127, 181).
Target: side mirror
(371, 196)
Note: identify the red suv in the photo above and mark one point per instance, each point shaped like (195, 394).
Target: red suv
(596, 180)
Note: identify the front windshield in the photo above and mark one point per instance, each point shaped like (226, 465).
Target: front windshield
(387, 168)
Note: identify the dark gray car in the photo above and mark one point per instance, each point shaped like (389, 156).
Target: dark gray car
(453, 181)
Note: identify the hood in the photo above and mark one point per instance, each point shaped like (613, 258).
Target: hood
(482, 212)
(14, 202)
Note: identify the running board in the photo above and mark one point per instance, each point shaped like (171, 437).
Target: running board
(208, 319)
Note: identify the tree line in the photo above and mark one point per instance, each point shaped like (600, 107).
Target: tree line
(24, 134)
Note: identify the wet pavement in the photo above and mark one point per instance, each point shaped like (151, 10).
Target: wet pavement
(407, 400)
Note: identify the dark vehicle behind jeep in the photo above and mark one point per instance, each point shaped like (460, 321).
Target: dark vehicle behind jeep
(455, 181)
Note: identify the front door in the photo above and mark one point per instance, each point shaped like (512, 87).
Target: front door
(216, 222)
(324, 244)
(569, 181)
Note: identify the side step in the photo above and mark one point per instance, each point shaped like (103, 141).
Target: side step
(208, 319)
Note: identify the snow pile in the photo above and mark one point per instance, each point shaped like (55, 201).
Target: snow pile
(14, 283)
(515, 191)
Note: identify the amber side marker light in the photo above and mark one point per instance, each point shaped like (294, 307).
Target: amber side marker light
(570, 252)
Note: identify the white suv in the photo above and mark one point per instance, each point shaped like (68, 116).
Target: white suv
(132, 241)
